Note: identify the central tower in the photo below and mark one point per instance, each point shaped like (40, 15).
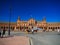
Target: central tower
(18, 21)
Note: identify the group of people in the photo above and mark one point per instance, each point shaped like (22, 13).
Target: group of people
(58, 30)
(2, 32)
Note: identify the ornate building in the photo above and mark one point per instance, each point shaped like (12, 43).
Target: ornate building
(25, 25)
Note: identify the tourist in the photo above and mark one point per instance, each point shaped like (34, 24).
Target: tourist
(0, 32)
(3, 34)
(58, 30)
(32, 31)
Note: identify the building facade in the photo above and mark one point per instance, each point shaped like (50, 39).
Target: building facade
(26, 25)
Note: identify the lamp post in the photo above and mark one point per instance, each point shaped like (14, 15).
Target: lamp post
(9, 22)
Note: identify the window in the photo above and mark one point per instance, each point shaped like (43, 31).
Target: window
(1, 27)
(49, 27)
(56, 27)
(17, 27)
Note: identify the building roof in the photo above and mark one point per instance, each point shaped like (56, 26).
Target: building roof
(7, 22)
(53, 22)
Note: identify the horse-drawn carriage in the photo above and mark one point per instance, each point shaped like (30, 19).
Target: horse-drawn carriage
(31, 31)
(35, 29)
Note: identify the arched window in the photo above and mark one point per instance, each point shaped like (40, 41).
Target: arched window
(17, 27)
(56, 27)
(6, 27)
(49, 27)
(2, 27)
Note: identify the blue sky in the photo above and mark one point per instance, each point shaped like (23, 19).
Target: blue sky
(26, 9)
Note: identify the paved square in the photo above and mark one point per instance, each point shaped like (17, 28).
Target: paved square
(16, 40)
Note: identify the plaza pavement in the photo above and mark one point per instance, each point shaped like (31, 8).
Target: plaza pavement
(45, 38)
(14, 40)
(40, 38)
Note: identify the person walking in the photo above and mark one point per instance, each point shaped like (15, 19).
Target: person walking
(3, 34)
(32, 31)
(0, 32)
(58, 30)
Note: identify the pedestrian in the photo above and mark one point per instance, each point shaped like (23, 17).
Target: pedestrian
(3, 34)
(32, 31)
(58, 30)
(0, 32)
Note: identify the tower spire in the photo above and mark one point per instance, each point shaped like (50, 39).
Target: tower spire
(18, 21)
(18, 17)
(44, 18)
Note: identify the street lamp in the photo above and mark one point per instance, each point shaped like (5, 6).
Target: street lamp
(9, 22)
